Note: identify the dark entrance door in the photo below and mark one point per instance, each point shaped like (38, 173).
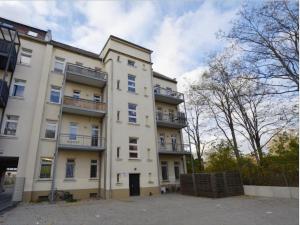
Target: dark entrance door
(134, 184)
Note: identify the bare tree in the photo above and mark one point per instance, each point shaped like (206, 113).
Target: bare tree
(269, 35)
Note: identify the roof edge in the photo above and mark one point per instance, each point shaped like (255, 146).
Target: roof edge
(164, 77)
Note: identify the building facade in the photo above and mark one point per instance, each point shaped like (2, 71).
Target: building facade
(96, 125)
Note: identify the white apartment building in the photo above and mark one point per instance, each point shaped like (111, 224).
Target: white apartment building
(96, 125)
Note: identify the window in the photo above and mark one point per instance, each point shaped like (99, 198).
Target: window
(132, 113)
(46, 164)
(118, 178)
(118, 84)
(130, 62)
(97, 98)
(18, 88)
(131, 83)
(156, 89)
(55, 95)
(59, 65)
(73, 131)
(118, 152)
(76, 94)
(118, 59)
(79, 63)
(11, 125)
(25, 57)
(51, 130)
(133, 147)
(31, 33)
(169, 91)
(70, 167)
(118, 115)
(177, 170)
(162, 139)
(164, 170)
(94, 165)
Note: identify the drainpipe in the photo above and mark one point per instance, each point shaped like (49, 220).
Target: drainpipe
(99, 171)
(192, 161)
(55, 157)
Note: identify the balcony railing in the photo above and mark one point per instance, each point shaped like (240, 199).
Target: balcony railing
(84, 142)
(168, 96)
(78, 104)
(85, 71)
(175, 120)
(173, 148)
(3, 93)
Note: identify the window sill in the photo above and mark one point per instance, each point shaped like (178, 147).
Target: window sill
(8, 136)
(150, 182)
(44, 179)
(53, 103)
(119, 89)
(118, 121)
(165, 181)
(22, 64)
(133, 124)
(133, 93)
(70, 179)
(49, 139)
(16, 97)
(94, 179)
(118, 159)
(58, 73)
(135, 159)
(147, 126)
(146, 96)
(149, 160)
(119, 184)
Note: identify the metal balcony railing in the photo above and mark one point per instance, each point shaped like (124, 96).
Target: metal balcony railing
(84, 103)
(175, 118)
(81, 141)
(168, 93)
(173, 148)
(4, 91)
(85, 71)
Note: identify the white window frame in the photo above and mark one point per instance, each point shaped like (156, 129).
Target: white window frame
(73, 127)
(58, 90)
(47, 161)
(131, 83)
(25, 56)
(61, 61)
(136, 151)
(133, 112)
(8, 120)
(54, 125)
(18, 82)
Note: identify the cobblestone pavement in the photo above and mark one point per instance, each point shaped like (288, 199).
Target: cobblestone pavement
(173, 209)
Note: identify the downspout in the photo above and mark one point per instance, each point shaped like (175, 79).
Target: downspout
(110, 135)
(99, 171)
(55, 157)
(192, 160)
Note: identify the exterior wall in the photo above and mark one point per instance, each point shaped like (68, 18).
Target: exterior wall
(164, 84)
(86, 92)
(272, 191)
(168, 133)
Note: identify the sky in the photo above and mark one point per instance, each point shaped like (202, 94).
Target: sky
(181, 33)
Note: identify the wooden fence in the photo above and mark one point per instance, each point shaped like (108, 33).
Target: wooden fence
(213, 185)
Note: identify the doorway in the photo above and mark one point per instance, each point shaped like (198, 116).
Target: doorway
(134, 184)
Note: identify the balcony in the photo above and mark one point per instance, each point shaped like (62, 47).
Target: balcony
(83, 107)
(4, 91)
(85, 75)
(173, 149)
(81, 142)
(9, 47)
(170, 120)
(168, 96)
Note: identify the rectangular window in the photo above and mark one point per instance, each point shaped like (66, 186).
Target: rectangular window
(118, 115)
(25, 57)
(177, 170)
(162, 139)
(46, 164)
(132, 113)
(70, 167)
(97, 98)
(131, 83)
(51, 130)
(59, 65)
(73, 131)
(164, 170)
(118, 84)
(94, 166)
(133, 147)
(55, 95)
(118, 152)
(18, 88)
(76, 94)
(11, 125)
(130, 63)
(118, 178)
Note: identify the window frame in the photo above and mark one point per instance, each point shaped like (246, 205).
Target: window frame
(68, 163)
(25, 54)
(131, 63)
(177, 165)
(95, 163)
(57, 90)
(47, 162)
(76, 94)
(8, 120)
(20, 83)
(59, 60)
(54, 124)
(164, 164)
(131, 83)
(132, 113)
(135, 145)
(71, 135)
(97, 98)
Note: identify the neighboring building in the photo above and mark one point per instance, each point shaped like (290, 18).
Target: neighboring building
(95, 125)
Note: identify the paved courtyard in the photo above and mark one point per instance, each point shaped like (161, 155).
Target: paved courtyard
(161, 210)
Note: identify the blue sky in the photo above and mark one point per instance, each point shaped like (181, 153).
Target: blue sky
(180, 33)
